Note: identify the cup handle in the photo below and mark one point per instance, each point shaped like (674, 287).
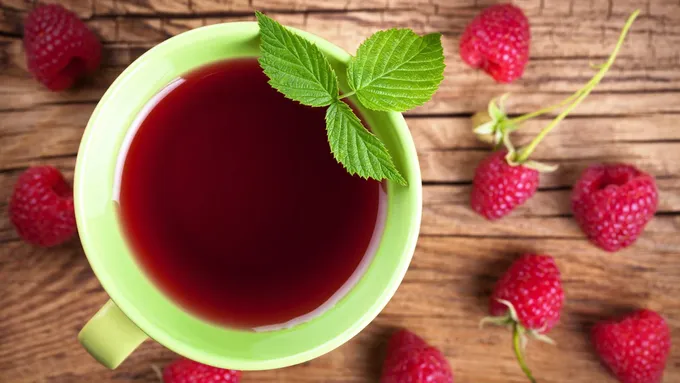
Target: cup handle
(110, 336)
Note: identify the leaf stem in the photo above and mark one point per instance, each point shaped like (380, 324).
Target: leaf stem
(517, 346)
(347, 95)
(525, 152)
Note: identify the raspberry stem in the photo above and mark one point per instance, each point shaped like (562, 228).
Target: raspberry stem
(524, 153)
(519, 350)
(517, 120)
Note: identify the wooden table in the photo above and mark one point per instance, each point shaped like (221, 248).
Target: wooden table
(47, 295)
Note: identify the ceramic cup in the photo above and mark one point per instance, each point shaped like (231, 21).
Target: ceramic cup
(138, 309)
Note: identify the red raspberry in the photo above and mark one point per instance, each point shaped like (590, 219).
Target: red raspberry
(499, 187)
(41, 207)
(635, 348)
(59, 47)
(613, 203)
(534, 288)
(187, 371)
(529, 299)
(410, 359)
(497, 41)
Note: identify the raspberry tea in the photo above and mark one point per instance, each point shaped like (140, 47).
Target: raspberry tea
(234, 205)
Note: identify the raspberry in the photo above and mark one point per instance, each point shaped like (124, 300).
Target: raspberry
(613, 203)
(410, 359)
(59, 47)
(528, 298)
(499, 187)
(187, 371)
(533, 286)
(635, 347)
(41, 207)
(497, 41)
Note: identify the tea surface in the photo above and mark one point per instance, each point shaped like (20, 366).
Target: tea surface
(234, 205)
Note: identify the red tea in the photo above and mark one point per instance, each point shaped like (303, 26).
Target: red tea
(234, 205)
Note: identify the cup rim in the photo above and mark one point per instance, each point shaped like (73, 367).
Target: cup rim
(95, 252)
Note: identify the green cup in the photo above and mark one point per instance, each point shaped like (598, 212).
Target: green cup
(141, 310)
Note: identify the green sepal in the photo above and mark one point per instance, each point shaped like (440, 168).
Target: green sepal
(493, 126)
(520, 334)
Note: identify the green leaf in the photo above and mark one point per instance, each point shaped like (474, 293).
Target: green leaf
(295, 66)
(397, 70)
(357, 149)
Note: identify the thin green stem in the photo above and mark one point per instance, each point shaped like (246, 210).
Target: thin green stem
(347, 95)
(517, 346)
(525, 152)
(524, 117)
(517, 120)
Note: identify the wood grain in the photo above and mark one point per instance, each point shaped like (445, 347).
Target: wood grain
(47, 295)
(642, 80)
(456, 274)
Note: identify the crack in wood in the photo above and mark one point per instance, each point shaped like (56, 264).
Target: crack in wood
(459, 149)
(49, 104)
(70, 155)
(437, 115)
(5, 241)
(446, 183)
(516, 237)
(12, 169)
(229, 14)
(574, 58)
(12, 35)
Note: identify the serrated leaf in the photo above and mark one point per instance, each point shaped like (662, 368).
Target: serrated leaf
(397, 70)
(357, 149)
(295, 66)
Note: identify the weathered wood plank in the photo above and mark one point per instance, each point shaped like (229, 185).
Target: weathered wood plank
(455, 220)
(430, 133)
(646, 72)
(23, 132)
(106, 7)
(551, 35)
(11, 22)
(338, 5)
(448, 151)
(82, 8)
(450, 133)
(446, 212)
(217, 6)
(663, 9)
(459, 166)
(23, 92)
(455, 274)
(546, 203)
(557, 70)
